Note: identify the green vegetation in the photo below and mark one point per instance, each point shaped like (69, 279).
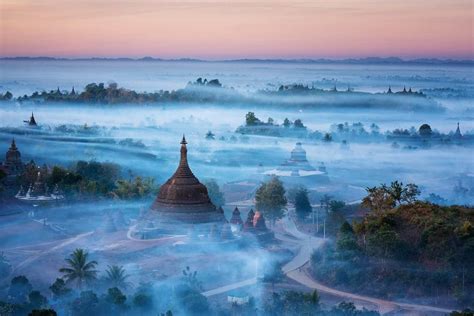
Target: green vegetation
(402, 248)
(302, 205)
(270, 199)
(254, 126)
(97, 93)
(116, 276)
(79, 269)
(6, 97)
(89, 179)
(293, 303)
(149, 298)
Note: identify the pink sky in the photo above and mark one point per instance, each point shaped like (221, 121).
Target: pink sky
(217, 29)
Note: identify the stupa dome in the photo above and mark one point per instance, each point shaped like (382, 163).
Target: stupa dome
(183, 198)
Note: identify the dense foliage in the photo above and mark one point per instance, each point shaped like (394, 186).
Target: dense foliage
(88, 179)
(403, 248)
(271, 200)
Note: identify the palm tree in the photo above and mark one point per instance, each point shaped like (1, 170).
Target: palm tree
(79, 269)
(116, 276)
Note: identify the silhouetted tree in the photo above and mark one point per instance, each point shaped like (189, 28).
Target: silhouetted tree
(270, 199)
(79, 269)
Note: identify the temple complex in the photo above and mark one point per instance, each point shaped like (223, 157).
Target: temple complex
(298, 170)
(39, 191)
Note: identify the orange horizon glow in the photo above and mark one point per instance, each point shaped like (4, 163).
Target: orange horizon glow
(220, 29)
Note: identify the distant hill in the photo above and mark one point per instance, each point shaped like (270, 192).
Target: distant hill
(356, 61)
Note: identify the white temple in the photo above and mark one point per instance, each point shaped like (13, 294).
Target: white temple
(298, 169)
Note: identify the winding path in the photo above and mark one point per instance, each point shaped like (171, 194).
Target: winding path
(294, 270)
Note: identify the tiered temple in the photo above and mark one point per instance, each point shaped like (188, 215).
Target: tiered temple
(184, 199)
(13, 164)
(182, 205)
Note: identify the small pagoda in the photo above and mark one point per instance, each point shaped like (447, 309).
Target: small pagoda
(32, 121)
(236, 220)
(248, 225)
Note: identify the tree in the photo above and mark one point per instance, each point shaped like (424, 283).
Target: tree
(8, 95)
(286, 122)
(79, 269)
(298, 124)
(251, 119)
(116, 276)
(215, 194)
(37, 300)
(270, 199)
(300, 303)
(386, 197)
(115, 297)
(425, 130)
(327, 138)
(302, 205)
(346, 239)
(384, 242)
(59, 288)
(43, 312)
(190, 278)
(210, 136)
(20, 287)
(86, 304)
(378, 199)
(336, 206)
(143, 302)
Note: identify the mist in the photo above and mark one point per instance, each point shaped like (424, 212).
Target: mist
(143, 140)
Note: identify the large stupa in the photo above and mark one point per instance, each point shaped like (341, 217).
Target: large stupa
(183, 198)
(182, 204)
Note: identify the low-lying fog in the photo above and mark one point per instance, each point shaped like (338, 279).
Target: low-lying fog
(160, 127)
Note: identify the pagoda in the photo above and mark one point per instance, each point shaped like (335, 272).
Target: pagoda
(183, 198)
(13, 164)
(236, 219)
(457, 135)
(32, 121)
(297, 169)
(183, 203)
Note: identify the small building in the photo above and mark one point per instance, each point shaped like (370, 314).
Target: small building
(238, 298)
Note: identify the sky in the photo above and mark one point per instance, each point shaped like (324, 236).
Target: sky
(226, 29)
